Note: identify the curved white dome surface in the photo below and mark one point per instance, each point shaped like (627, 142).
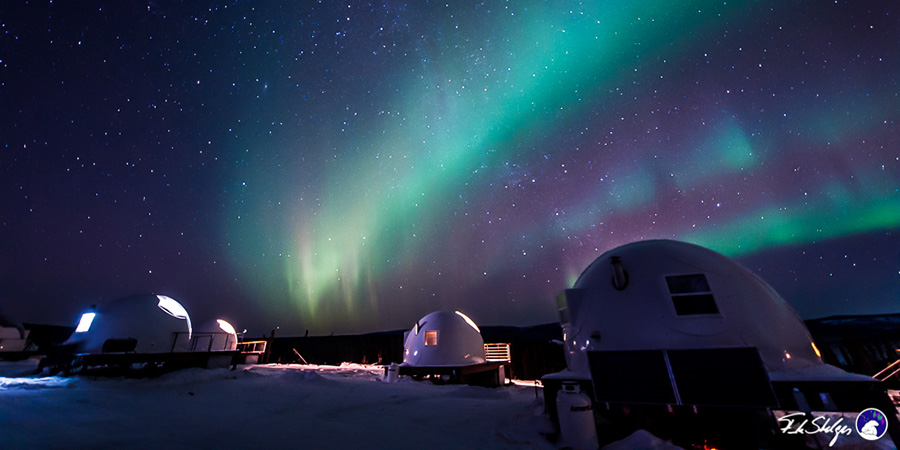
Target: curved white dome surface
(444, 338)
(10, 333)
(13, 337)
(153, 320)
(675, 295)
(11, 329)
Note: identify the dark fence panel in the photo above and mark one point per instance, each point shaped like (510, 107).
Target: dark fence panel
(532, 352)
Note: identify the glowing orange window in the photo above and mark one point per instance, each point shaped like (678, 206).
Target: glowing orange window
(431, 338)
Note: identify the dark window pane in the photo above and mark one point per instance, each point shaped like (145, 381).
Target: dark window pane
(687, 284)
(686, 305)
(727, 376)
(631, 377)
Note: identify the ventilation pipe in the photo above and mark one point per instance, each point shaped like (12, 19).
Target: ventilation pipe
(620, 276)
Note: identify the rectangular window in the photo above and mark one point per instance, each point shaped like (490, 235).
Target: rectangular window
(691, 295)
(431, 337)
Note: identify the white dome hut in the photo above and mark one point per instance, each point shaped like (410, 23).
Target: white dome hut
(666, 327)
(443, 338)
(141, 324)
(669, 322)
(674, 295)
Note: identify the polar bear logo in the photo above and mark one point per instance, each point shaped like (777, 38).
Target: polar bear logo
(871, 424)
(870, 428)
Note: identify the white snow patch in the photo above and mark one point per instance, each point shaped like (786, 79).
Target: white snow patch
(267, 406)
(21, 368)
(641, 440)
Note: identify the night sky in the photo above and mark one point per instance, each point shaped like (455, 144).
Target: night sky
(349, 167)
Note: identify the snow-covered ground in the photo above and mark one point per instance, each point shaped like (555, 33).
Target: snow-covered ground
(264, 407)
(282, 406)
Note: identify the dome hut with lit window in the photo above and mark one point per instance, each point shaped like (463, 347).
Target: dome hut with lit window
(677, 325)
(447, 346)
(138, 324)
(143, 331)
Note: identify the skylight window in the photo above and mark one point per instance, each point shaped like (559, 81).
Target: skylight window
(85, 323)
(691, 295)
(468, 321)
(174, 309)
(225, 326)
(419, 326)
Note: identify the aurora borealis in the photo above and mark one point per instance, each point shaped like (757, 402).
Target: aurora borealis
(349, 166)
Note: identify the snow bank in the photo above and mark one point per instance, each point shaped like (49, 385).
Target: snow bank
(641, 440)
(21, 368)
(267, 406)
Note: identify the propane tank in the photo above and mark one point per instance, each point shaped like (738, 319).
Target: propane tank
(576, 417)
(392, 373)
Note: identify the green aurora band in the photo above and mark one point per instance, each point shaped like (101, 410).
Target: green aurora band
(498, 90)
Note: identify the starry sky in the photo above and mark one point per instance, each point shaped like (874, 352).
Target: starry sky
(344, 167)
